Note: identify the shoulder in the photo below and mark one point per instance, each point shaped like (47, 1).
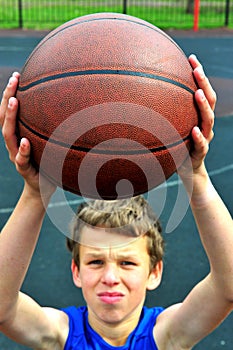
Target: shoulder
(163, 325)
(77, 317)
(69, 323)
(75, 314)
(151, 313)
(148, 319)
(60, 320)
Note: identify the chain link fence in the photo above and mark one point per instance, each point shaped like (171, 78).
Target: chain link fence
(47, 14)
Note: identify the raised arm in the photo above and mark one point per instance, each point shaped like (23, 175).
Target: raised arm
(18, 239)
(212, 299)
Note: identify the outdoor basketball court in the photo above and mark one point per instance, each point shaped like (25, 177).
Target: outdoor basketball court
(49, 278)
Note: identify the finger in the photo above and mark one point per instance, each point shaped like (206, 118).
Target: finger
(202, 81)
(16, 74)
(193, 60)
(201, 145)
(9, 91)
(9, 126)
(204, 84)
(22, 159)
(207, 115)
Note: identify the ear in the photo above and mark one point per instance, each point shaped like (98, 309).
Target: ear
(155, 276)
(76, 274)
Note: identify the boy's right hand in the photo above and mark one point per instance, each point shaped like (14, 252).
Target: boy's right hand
(19, 155)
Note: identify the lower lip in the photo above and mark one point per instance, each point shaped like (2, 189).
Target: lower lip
(110, 300)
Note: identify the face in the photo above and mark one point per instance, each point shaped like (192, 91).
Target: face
(114, 278)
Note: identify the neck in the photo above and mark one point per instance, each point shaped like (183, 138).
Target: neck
(114, 333)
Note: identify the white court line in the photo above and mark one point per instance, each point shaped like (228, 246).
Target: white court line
(14, 49)
(168, 184)
(222, 69)
(51, 205)
(211, 174)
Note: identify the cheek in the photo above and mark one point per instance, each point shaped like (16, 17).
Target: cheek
(88, 278)
(136, 280)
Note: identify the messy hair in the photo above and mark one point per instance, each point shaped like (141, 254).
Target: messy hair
(132, 217)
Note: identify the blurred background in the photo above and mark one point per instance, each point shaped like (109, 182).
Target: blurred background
(201, 27)
(179, 14)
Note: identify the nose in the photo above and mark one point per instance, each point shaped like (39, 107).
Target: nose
(110, 275)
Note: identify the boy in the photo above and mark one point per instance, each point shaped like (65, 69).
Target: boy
(114, 273)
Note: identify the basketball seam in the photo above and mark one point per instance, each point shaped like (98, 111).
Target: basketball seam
(98, 151)
(154, 28)
(105, 72)
(117, 19)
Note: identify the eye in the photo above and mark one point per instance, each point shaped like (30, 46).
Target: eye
(96, 262)
(128, 263)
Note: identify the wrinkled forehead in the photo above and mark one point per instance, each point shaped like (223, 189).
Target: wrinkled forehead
(104, 237)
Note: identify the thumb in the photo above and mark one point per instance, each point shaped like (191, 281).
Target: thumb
(22, 159)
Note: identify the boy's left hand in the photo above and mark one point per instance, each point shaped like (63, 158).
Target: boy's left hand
(202, 135)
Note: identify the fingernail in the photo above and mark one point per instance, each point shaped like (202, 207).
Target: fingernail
(10, 102)
(193, 56)
(201, 72)
(202, 95)
(10, 81)
(22, 142)
(197, 130)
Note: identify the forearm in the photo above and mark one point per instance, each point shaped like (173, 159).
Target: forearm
(215, 227)
(17, 243)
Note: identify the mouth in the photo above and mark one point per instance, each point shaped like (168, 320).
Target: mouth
(110, 297)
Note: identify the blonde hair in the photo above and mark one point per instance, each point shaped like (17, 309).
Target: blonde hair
(132, 217)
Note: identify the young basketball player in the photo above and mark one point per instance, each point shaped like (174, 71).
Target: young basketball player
(114, 273)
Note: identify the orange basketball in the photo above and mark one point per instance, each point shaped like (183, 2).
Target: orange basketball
(107, 102)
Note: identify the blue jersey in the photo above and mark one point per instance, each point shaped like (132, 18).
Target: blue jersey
(83, 337)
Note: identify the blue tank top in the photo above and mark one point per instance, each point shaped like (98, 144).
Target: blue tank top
(82, 337)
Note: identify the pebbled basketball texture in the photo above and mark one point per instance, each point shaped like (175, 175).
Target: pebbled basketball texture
(107, 102)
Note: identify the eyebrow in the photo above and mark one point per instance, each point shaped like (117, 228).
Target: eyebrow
(132, 255)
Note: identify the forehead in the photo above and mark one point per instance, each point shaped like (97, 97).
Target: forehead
(98, 238)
